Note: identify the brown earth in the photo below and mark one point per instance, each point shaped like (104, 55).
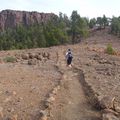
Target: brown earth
(29, 81)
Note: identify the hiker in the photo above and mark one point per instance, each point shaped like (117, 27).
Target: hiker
(69, 57)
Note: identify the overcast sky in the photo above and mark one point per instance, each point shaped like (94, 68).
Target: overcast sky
(86, 8)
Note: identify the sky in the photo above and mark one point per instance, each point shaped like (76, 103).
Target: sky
(86, 8)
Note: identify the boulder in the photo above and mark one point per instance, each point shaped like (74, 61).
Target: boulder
(39, 57)
(32, 62)
(117, 109)
(107, 102)
(25, 56)
(46, 55)
(32, 55)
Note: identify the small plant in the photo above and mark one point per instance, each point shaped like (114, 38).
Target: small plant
(10, 59)
(110, 49)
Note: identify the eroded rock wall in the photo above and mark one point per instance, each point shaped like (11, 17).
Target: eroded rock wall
(12, 18)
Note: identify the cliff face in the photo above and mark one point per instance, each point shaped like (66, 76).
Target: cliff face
(11, 18)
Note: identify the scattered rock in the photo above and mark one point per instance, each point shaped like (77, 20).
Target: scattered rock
(47, 104)
(50, 94)
(107, 102)
(8, 99)
(17, 56)
(44, 54)
(109, 116)
(116, 106)
(45, 59)
(1, 112)
(18, 60)
(51, 99)
(7, 92)
(25, 56)
(54, 91)
(96, 57)
(32, 55)
(58, 87)
(19, 99)
(117, 109)
(1, 109)
(14, 117)
(10, 110)
(88, 64)
(110, 111)
(1, 92)
(44, 118)
(32, 88)
(32, 62)
(103, 61)
(8, 118)
(14, 93)
(43, 113)
(39, 57)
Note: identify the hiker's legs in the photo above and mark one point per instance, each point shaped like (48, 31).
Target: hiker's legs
(69, 62)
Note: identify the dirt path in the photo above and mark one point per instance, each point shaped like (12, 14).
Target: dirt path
(71, 102)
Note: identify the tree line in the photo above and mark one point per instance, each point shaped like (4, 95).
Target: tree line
(115, 26)
(59, 30)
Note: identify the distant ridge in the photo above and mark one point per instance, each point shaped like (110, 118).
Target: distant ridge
(12, 18)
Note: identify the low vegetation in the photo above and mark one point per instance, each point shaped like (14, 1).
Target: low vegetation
(110, 50)
(10, 59)
(115, 26)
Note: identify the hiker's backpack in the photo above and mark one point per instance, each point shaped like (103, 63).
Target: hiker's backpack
(70, 55)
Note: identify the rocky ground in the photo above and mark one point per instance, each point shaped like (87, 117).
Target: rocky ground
(36, 84)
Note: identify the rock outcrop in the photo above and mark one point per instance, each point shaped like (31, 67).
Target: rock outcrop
(12, 18)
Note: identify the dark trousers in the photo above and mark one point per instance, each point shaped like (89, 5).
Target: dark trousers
(69, 60)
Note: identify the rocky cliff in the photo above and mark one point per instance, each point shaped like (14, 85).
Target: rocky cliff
(11, 18)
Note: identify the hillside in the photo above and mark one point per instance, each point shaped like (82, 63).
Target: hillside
(37, 84)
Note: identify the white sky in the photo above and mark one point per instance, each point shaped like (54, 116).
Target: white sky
(86, 8)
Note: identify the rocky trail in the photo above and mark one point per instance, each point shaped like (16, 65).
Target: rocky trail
(71, 102)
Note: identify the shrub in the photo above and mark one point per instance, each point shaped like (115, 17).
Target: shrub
(10, 59)
(110, 49)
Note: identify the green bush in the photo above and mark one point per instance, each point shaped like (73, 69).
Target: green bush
(110, 49)
(10, 59)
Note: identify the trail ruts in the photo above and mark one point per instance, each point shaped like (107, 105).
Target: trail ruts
(71, 102)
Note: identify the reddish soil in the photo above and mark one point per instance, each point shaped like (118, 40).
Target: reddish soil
(25, 87)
